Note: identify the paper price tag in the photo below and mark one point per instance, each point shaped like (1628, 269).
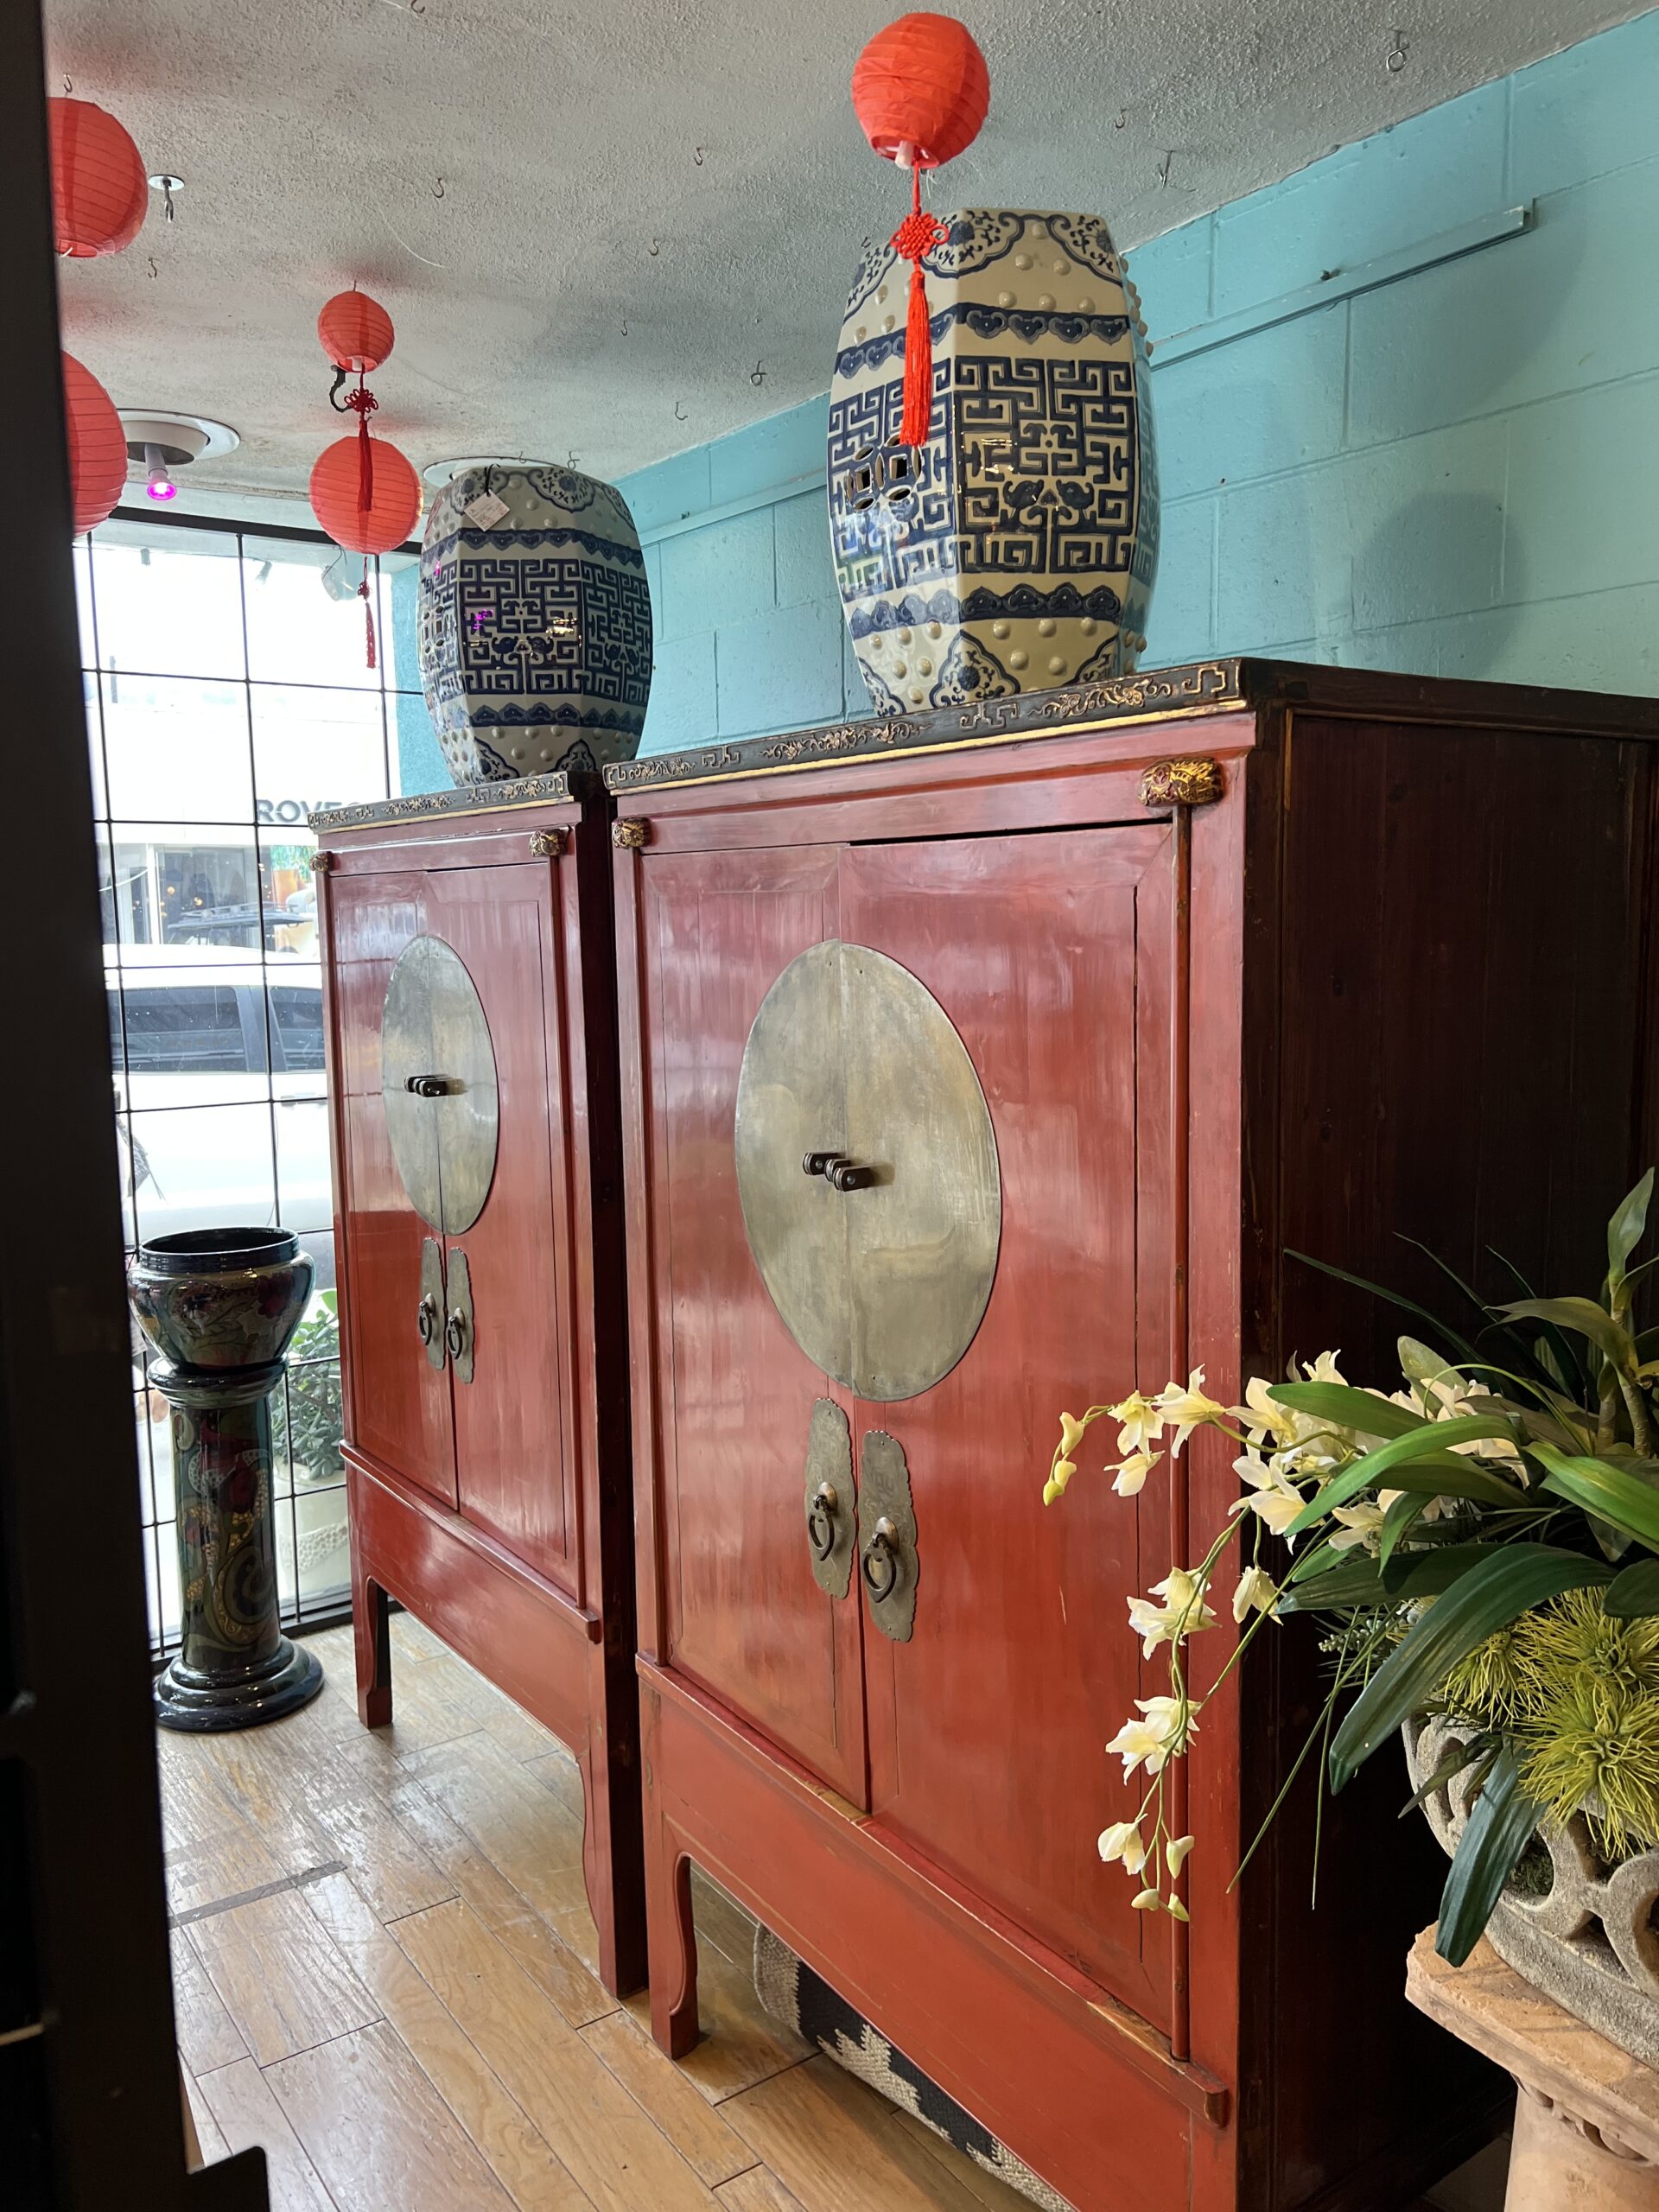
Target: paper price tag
(486, 511)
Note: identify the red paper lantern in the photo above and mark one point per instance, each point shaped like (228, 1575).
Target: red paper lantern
(920, 89)
(100, 191)
(97, 446)
(393, 504)
(356, 332)
(922, 83)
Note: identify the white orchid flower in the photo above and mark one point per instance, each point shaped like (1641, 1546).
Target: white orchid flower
(1129, 1480)
(1258, 1592)
(1059, 1475)
(1188, 1408)
(1156, 1737)
(1143, 1424)
(1124, 1840)
(1175, 1852)
(1361, 1524)
(1183, 1613)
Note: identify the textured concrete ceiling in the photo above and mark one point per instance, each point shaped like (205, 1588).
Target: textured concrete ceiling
(642, 204)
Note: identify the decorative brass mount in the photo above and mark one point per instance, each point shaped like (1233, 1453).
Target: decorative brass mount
(1194, 781)
(630, 834)
(322, 862)
(548, 844)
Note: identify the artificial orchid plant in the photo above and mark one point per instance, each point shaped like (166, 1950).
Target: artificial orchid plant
(1482, 1541)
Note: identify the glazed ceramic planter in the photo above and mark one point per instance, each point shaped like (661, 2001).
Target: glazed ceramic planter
(1573, 1926)
(221, 1307)
(1015, 550)
(534, 623)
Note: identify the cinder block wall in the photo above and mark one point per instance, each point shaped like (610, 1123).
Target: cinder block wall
(1455, 473)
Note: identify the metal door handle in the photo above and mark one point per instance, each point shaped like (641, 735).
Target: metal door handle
(426, 1319)
(821, 1520)
(454, 1334)
(879, 1562)
(429, 1086)
(837, 1170)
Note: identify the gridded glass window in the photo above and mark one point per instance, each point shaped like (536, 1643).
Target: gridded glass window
(228, 692)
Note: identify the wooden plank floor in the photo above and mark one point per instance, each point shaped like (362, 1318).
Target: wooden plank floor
(382, 1972)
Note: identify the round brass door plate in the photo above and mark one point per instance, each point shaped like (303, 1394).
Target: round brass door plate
(437, 1075)
(882, 1278)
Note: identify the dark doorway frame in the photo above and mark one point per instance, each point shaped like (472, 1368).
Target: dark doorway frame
(90, 2114)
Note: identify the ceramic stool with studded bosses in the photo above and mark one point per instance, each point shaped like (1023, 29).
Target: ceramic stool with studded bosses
(1016, 550)
(534, 626)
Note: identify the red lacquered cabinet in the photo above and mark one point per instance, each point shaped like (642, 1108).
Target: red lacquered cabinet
(986, 1064)
(467, 962)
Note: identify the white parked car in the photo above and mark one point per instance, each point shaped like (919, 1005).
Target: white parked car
(219, 1063)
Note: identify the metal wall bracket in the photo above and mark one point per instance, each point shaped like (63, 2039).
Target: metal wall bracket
(1195, 781)
(889, 1564)
(830, 1495)
(548, 844)
(459, 1331)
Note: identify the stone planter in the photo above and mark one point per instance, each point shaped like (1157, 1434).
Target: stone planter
(221, 1307)
(533, 624)
(1017, 549)
(1572, 1926)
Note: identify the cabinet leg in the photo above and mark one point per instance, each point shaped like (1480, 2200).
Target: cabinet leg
(372, 1646)
(673, 1943)
(611, 1870)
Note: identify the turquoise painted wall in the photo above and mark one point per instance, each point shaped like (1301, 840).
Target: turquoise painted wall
(1457, 473)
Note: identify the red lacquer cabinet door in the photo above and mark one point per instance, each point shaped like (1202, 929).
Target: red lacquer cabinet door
(744, 1615)
(1051, 955)
(514, 1469)
(400, 1403)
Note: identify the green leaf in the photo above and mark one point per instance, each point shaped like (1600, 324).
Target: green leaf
(1397, 1522)
(1350, 1579)
(1459, 1755)
(1389, 1298)
(1600, 1487)
(1431, 1441)
(1572, 1375)
(1625, 1229)
(1494, 1592)
(1633, 1591)
(1585, 1319)
(1500, 1826)
(1427, 1573)
(1346, 1408)
(1423, 1365)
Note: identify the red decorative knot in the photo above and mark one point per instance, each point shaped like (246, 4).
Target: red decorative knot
(919, 235)
(362, 401)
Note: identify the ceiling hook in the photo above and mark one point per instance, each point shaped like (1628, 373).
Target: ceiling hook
(1163, 173)
(625, 329)
(696, 156)
(154, 270)
(1122, 119)
(1395, 60)
(437, 189)
(680, 415)
(757, 374)
(68, 85)
(656, 248)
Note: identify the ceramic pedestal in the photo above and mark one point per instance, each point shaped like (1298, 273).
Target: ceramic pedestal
(534, 624)
(221, 1306)
(1016, 550)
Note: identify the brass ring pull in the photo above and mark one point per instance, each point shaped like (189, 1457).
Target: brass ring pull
(878, 1563)
(821, 1520)
(426, 1319)
(454, 1334)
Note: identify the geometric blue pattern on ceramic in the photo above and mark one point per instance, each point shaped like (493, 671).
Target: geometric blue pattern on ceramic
(1018, 548)
(534, 633)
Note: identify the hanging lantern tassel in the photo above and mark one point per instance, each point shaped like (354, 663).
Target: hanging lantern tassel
(363, 404)
(916, 236)
(367, 598)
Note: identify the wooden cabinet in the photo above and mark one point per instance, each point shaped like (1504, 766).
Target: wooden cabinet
(1287, 999)
(467, 954)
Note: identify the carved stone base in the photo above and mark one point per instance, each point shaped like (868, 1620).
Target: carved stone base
(1586, 2123)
